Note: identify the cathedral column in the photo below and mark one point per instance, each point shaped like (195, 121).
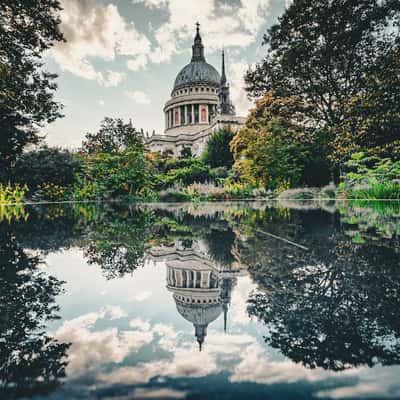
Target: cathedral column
(193, 114)
(194, 279)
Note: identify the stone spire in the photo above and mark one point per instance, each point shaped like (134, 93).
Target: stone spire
(223, 76)
(200, 332)
(225, 105)
(198, 48)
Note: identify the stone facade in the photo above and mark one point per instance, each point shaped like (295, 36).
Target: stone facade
(200, 105)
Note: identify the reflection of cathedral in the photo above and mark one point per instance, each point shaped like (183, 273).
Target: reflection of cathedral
(201, 287)
(200, 105)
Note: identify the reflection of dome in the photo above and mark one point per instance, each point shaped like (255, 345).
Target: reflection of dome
(197, 73)
(200, 315)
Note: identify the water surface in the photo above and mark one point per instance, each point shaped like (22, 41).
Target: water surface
(208, 301)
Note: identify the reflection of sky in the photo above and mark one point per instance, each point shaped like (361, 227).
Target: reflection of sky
(128, 342)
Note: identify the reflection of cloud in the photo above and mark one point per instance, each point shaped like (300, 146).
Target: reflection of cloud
(140, 324)
(358, 390)
(141, 296)
(255, 366)
(115, 312)
(144, 393)
(382, 382)
(238, 310)
(92, 348)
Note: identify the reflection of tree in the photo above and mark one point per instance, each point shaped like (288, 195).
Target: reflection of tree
(30, 361)
(116, 240)
(335, 306)
(219, 243)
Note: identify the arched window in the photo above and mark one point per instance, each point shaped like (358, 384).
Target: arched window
(203, 114)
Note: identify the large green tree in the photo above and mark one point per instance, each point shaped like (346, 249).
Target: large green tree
(276, 148)
(113, 136)
(329, 52)
(27, 29)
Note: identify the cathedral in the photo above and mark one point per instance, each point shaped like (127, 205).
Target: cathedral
(199, 106)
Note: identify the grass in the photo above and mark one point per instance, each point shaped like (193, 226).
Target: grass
(383, 191)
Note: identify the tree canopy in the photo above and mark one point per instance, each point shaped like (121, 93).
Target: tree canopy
(27, 29)
(338, 57)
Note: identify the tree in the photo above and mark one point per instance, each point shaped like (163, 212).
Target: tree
(113, 136)
(373, 124)
(325, 51)
(27, 29)
(46, 165)
(218, 152)
(276, 147)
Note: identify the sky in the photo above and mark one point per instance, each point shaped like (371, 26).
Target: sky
(121, 57)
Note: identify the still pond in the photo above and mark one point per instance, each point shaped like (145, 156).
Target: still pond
(200, 301)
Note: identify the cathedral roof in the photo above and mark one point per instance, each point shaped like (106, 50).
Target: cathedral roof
(198, 71)
(195, 73)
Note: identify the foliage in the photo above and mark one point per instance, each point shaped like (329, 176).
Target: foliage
(46, 166)
(183, 172)
(329, 305)
(12, 193)
(320, 52)
(27, 30)
(345, 68)
(276, 149)
(116, 240)
(113, 175)
(113, 136)
(186, 152)
(371, 178)
(50, 192)
(31, 362)
(218, 152)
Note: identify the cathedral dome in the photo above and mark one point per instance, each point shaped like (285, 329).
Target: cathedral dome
(197, 73)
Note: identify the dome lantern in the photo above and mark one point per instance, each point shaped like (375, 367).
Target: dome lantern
(198, 48)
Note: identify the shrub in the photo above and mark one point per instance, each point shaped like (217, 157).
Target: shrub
(371, 178)
(113, 175)
(218, 152)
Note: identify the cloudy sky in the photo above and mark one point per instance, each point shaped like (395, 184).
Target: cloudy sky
(122, 56)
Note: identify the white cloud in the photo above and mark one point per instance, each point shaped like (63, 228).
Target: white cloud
(222, 24)
(238, 94)
(102, 104)
(96, 31)
(138, 97)
(137, 63)
(112, 79)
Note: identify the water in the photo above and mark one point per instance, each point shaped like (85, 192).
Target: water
(208, 301)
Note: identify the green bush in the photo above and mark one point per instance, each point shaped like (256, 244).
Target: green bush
(371, 178)
(218, 152)
(114, 175)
